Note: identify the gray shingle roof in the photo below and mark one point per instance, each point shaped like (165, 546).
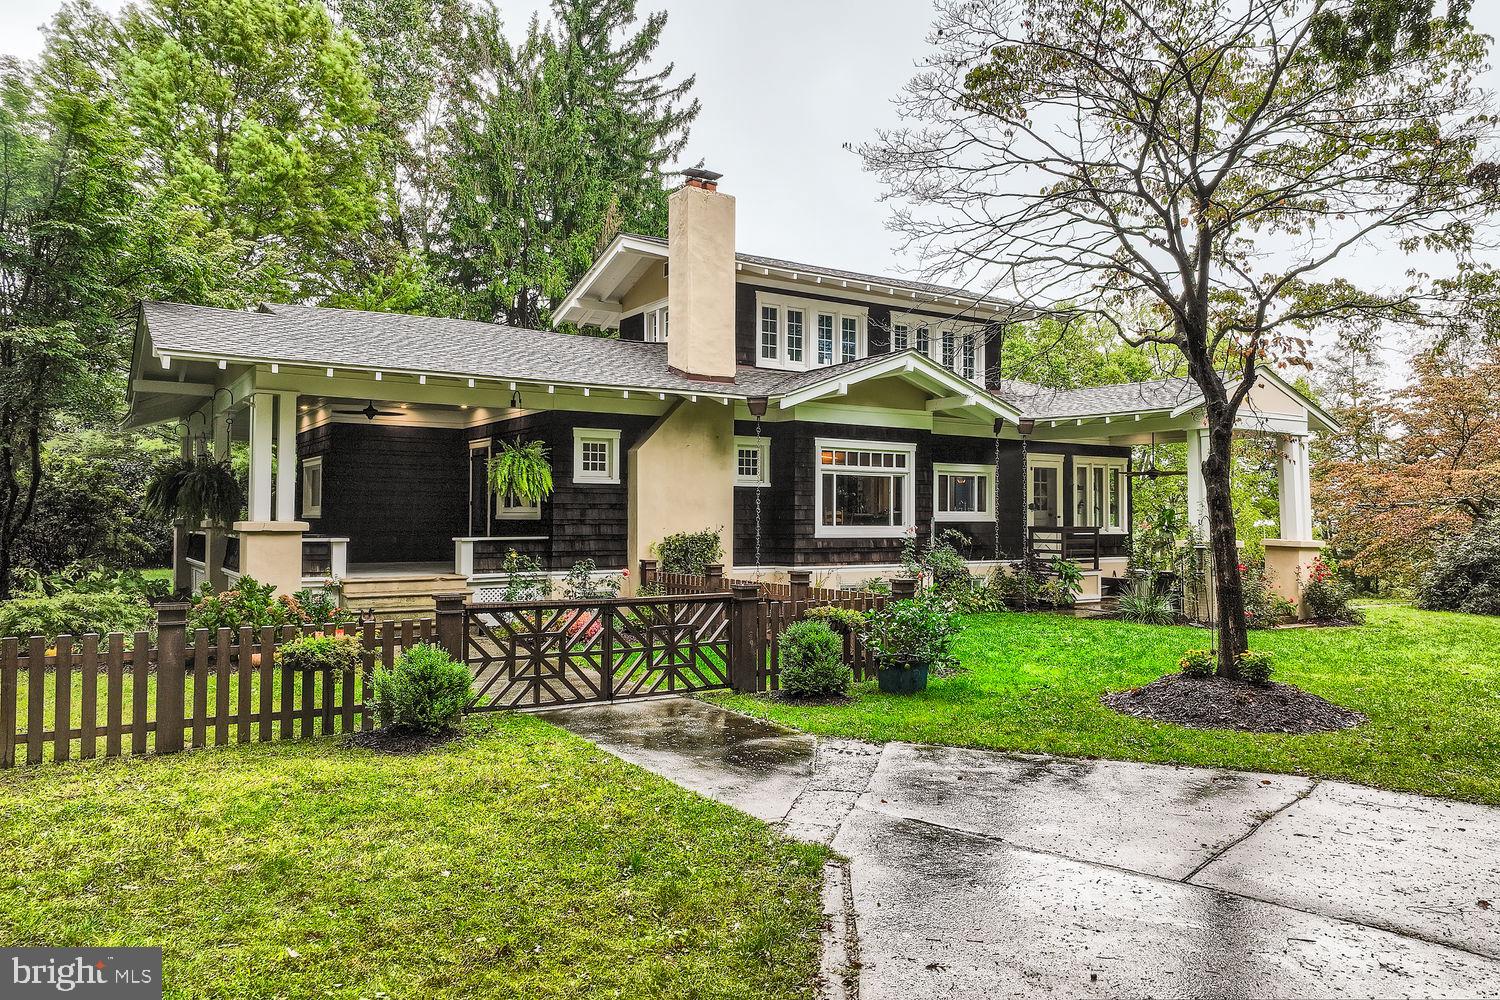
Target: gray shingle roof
(396, 342)
(311, 335)
(1130, 397)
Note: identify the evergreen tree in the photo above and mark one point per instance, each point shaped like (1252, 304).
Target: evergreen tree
(559, 142)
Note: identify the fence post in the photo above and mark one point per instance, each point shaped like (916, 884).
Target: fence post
(903, 588)
(648, 572)
(800, 583)
(450, 626)
(171, 661)
(743, 647)
(713, 573)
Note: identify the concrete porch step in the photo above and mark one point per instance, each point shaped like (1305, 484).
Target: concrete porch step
(402, 594)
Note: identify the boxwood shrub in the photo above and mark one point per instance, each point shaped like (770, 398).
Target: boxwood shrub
(425, 692)
(812, 661)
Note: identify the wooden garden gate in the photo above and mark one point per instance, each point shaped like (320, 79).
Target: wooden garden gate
(554, 653)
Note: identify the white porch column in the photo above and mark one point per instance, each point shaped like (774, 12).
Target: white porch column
(1289, 559)
(286, 456)
(262, 427)
(1294, 488)
(1197, 490)
(214, 537)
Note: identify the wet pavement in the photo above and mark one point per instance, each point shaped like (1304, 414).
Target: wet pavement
(981, 874)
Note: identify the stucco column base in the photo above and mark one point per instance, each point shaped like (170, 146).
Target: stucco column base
(271, 551)
(1288, 565)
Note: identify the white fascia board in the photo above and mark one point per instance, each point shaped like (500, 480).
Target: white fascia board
(915, 368)
(622, 243)
(1317, 417)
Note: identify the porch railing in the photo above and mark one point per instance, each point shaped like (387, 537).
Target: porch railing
(1076, 544)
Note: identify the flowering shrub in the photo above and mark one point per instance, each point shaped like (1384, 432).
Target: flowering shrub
(1198, 662)
(1264, 607)
(250, 603)
(1255, 667)
(1326, 595)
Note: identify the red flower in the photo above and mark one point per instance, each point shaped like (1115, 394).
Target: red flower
(1240, 567)
(624, 572)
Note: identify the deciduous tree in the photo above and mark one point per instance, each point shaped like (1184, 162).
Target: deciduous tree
(1192, 172)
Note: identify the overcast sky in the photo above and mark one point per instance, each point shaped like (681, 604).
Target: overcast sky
(779, 106)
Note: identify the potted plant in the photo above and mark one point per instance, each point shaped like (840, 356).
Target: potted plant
(908, 638)
(198, 490)
(521, 472)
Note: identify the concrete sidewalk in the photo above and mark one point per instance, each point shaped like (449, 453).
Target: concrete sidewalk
(979, 874)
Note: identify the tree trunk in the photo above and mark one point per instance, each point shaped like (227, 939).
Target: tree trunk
(1229, 591)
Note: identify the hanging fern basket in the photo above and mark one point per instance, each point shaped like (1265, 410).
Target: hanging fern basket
(197, 490)
(521, 472)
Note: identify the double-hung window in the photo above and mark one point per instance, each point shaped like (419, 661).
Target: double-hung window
(957, 345)
(770, 337)
(752, 461)
(838, 332)
(962, 492)
(900, 336)
(1100, 493)
(596, 455)
(865, 489)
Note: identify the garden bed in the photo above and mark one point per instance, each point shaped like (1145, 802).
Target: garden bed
(1220, 703)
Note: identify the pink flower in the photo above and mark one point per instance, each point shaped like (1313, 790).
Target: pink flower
(1240, 567)
(624, 572)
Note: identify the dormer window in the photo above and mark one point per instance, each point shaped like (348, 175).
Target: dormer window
(900, 336)
(837, 330)
(957, 345)
(656, 325)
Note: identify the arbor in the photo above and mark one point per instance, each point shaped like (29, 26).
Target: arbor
(1190, 173)
(559, 142)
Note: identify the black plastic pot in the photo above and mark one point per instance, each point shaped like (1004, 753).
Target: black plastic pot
(903, 676)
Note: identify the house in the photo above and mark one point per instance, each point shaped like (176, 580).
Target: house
(819, 416)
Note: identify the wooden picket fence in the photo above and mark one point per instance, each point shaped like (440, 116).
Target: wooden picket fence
(118, 694)
(777, 606)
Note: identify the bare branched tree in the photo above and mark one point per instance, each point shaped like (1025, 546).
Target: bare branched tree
(1192, 172)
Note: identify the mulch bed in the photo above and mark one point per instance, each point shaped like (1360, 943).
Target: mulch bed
(399, 741)
(1217, 703)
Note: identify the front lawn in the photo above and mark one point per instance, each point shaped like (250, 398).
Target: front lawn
(1429, 683)
(517, 861)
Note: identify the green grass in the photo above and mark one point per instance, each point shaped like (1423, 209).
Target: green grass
(1429, 683)
(517, 861)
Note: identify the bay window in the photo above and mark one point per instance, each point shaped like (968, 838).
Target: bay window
(865, 489)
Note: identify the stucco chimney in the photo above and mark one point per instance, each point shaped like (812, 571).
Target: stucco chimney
(700, 278)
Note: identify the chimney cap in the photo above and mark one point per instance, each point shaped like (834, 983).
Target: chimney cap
(699, 174)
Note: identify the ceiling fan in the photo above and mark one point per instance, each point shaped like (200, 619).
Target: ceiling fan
(370, 412)
(1152, 471)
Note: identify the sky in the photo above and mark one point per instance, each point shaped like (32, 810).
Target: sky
(780, 109)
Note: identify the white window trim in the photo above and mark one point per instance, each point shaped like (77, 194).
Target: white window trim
(1034, 460)
(309, 466)
(763, 445)
(810, 309)
(908, 496)
(952, 469)
(1091, 462)
(592, 434)
(644, 312)
(513, 512)
(936, 327)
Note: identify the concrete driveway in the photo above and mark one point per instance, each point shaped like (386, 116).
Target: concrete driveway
(980, 874)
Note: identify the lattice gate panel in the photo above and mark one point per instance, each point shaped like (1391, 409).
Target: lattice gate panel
(556, 653)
